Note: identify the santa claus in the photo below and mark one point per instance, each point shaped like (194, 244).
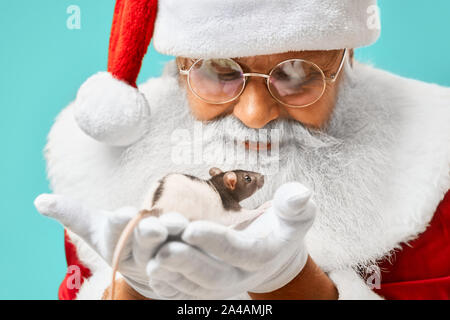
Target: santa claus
(360, 209)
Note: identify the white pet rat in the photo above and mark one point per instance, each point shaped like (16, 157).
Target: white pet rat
(216, 199)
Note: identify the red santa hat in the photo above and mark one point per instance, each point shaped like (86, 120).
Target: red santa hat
(131, 32)
(209, 29)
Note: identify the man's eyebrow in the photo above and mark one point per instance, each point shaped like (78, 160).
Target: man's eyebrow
(244, 66)
(324, 61)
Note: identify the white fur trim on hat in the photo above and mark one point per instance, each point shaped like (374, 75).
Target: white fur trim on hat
(111, 111)
(239, 28)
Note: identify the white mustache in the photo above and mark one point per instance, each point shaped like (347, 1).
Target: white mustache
(281, 132)
(222, 143)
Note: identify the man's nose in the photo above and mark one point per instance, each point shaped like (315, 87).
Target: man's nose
(256, 107)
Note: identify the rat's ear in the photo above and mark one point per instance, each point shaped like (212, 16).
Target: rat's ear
(214, 171)
(230, 179)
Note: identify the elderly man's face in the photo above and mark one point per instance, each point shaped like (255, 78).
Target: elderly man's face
(256, 107)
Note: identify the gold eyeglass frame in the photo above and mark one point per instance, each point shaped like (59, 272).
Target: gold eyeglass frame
(326, 80)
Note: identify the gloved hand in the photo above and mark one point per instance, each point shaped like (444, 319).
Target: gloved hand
(101, 230)
(216, 262)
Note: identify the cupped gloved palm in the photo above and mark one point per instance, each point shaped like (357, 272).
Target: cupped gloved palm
(101, 230)
(216, 262)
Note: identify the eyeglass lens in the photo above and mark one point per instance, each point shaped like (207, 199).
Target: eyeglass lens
(293, 82)
(216, 80)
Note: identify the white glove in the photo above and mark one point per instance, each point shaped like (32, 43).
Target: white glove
(217, 262)
(101, 230)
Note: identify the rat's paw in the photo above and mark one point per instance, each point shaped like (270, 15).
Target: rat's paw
(111, 111)
(266, 205)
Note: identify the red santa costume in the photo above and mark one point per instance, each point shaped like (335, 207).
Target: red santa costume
(380, 171)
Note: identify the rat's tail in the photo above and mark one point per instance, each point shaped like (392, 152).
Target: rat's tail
(123, 240)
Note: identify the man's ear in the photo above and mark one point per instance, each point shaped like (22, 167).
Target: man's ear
(230, 179)
(214, 171)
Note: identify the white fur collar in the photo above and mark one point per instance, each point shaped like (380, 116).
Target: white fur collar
(407, 120)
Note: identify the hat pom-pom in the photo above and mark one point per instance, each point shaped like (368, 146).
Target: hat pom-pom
(111, 111)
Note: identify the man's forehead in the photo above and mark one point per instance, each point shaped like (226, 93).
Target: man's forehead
(323, 58)
(314, 56)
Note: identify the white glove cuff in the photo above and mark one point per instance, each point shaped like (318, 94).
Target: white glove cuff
(286, 274)
(142, 289)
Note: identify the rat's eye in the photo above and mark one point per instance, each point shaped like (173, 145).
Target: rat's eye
(247, 178)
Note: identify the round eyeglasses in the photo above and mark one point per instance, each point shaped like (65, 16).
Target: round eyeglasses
(295, 83)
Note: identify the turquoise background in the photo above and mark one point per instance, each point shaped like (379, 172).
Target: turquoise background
(42, 64)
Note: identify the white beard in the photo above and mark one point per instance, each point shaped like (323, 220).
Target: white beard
(368, 169)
